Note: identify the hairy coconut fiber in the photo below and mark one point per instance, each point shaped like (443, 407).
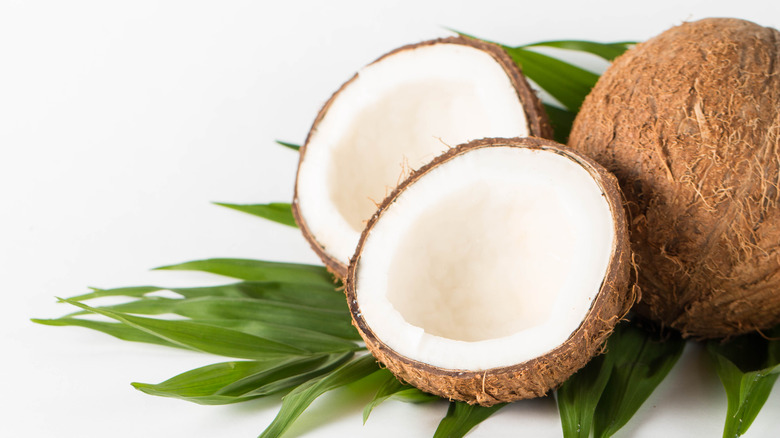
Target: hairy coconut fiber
(689, 122)
(538, 125)
(535, 377)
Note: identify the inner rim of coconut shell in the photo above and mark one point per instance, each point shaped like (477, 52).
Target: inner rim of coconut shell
(396, 115)
(490, 259)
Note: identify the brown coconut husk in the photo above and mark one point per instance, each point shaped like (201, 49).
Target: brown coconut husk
(535, 377)
(538, 124)
(689, 122)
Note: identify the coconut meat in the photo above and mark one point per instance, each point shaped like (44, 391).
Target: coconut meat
(488, 260)
(396, 115)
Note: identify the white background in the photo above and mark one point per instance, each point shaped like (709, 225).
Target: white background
(121, 121)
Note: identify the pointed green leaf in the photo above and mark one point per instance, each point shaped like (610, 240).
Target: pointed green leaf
(748, 367)
(579, 396)
(331, 322)
(391, 387)
(276, 211)
(202, 337)
(319, 296)
(309, 340)
(115, 329)
(287, 377)
(294, 403)
(259, 270)
(311, 295)
(561, 121)
(202, 384)
(414, 395)
(567, 83)
(462, 417)
(608, 51)
(135, 291)
(232, 382)
(292, 146)
(640, 362)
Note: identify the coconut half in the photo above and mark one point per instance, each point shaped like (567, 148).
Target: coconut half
(493, 273)
(394, 116)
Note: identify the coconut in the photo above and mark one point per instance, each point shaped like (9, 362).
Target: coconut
(392, 117)
(689, 122)
(494, 272)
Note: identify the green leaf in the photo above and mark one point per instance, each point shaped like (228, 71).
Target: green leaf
(279, 212)
(135, 291)
(294, 403)
(259, 270)
(311, 295)
(309, 340)
(579, 396)
(391, 387)
(202, 337)
(292, 146)
(462, 417)
(748, 367)
(232, 382)
(640, 362)
(608, 51)
(320, 296)
(289, 316)
(567, 83)
(561, 121)
(115, 329)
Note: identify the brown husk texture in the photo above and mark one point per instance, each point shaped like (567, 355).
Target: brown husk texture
(689, 122)
(536, 377)
(538, 124)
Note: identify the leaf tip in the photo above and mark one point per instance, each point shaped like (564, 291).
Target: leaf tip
(288, 145)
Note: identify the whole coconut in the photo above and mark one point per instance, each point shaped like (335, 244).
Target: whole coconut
(689, 122)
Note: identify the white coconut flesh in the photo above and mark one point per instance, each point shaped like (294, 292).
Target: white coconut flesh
(488, 260)
(395, 116)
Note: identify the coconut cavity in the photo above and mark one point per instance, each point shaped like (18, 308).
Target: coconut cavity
(498, 256)
(489, 242)
(689, 122)
(394, 116)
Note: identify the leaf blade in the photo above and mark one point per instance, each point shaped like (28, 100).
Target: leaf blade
(748, 367)
(462, 417)
(195, 336)
(567, 83)
(294, 403)
(233, 382)
(641, 362)
(278, 212)
(320, 296)
(117, 330)
(579, 396)
(607, 51)
(292, 146)
(561, 121)
(259, 270)
(390, 387)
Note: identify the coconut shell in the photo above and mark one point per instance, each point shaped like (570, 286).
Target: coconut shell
(538, 124)
(689, 122)
(535, 377)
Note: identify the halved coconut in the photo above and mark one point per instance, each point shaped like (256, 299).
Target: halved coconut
(392, 117)
(493, 273)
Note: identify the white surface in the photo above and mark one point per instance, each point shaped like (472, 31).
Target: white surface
(491, 259)
(396, 116)
(121, 122)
